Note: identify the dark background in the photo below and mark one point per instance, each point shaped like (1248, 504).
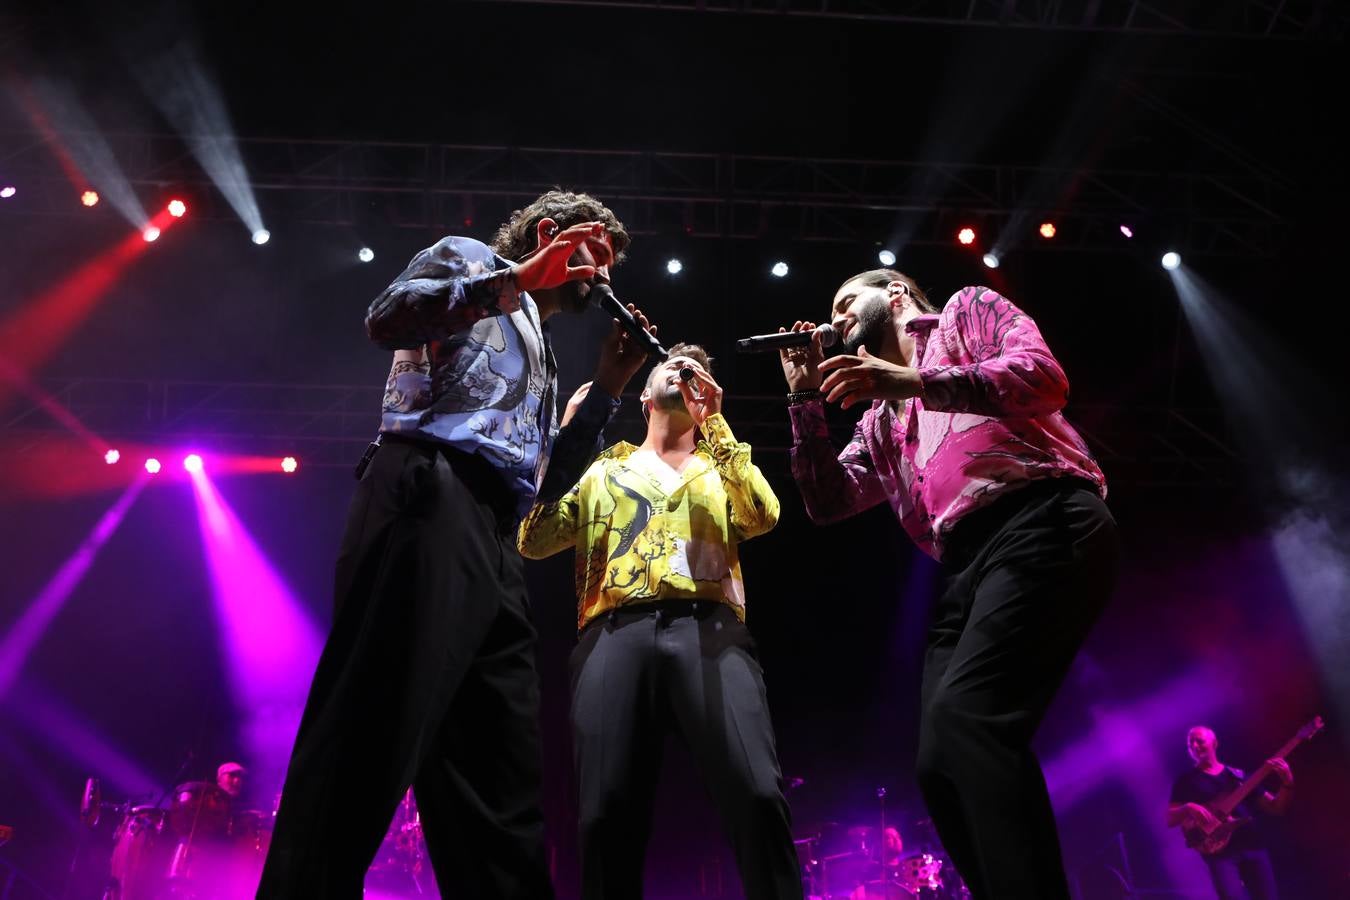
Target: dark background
(1205, 626)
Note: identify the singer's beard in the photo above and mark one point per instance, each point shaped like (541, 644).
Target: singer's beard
(669, 399)
(870, 330)
(574, 296)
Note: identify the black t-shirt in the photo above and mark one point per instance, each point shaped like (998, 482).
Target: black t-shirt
(1199, 787)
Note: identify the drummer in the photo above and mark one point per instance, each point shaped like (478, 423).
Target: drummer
(230, 778)
(891, 849)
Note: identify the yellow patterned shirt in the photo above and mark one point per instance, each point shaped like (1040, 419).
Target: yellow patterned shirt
(644, 532)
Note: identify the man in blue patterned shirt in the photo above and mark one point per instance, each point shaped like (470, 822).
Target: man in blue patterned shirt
(428, 675)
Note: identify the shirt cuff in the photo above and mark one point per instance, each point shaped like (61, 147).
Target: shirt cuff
(808, 420)
(717, 431)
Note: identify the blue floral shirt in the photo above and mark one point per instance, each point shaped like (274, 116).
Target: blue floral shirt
(486, 386)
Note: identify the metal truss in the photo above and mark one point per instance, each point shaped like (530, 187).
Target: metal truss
(1245, 19)
(444, 187)
(1145, 447)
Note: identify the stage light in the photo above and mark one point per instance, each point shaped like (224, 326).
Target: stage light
(1047, 230)
(966, 236)
(89, 198)
(192, 462)
(887, 258)
(780, 269)
(674, 267)
(261, 236)
(112, 457)
(152, 466)
(365, 254)
(289, 464)
(1127, 231)
(151, 233)
(177, 208)
(1171, 260)
(991, 260)
(8, 191)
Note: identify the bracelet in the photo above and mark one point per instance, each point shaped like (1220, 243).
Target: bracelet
(798, 397)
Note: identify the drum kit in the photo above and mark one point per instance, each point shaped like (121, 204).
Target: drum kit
(853, 863)
(199, 847)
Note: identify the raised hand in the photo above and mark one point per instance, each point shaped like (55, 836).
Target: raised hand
(702, 395)
(548, 267)
(574, 404)
(621, 356)
(800, 363)
(862, 378)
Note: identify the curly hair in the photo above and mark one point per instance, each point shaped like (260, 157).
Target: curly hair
(515, 239)
(879, 278)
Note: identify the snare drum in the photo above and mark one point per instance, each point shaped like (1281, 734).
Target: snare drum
(140, 857)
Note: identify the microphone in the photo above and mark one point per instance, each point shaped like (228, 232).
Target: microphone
(762, 343)
(602, 296)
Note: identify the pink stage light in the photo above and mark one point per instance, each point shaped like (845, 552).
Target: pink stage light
(177, 208)
(271, 645)
(152, 466)
(8, 191)
(193, 463)
(150, 234)
(112, 457)
(1047, 230)
(1127, 231)
(289, 464)
(966, 236)
(89, 198)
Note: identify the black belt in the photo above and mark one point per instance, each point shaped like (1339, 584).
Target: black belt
(663, 610)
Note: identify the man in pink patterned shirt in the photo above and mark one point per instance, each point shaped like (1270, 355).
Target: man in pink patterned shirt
(965, 440)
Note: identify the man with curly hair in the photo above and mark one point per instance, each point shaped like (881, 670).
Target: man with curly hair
(663, 646)
(965, 439)
(428, 677)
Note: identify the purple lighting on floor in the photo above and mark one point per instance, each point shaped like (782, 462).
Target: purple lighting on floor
(19, 641)
(270, 645)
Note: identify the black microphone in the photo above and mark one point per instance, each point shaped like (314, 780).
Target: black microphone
(602, 296)
(762, 343)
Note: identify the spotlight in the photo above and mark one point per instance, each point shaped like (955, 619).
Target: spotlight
(111, 457)
(192, 462)
(261, 236)
(887, 258)
(177, 208)
(289, 464)
(89, 198)
(152, 466)
(151, 234)
(8, 191)
(674, 267)
(365, 254)
(966, 236)
(780, 269)
(991, 260)
(1171, 260)
(1127, 231)
(1047, 230)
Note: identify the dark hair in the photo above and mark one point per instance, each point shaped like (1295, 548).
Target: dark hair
(516, 238)
(879, 278)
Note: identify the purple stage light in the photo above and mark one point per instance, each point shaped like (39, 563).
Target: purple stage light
(152, 466)
(49, 719)
(270, 644)
(112, 457)
(27, 631)
(193, 463)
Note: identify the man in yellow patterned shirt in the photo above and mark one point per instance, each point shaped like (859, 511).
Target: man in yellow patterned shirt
(663, 644)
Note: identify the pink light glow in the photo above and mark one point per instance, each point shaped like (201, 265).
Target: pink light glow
(112, 457)
(27, 631)
(289, 464)
(193, 463)
(152, 466)
(271, 646)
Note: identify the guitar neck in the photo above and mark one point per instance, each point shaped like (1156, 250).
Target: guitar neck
(1255, 779)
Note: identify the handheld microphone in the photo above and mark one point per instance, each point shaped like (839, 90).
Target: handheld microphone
(686, 373)
(762, 343)
(602, 296)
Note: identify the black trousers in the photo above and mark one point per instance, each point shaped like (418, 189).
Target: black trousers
(428, 680)
(1025, 579)
(688, 667)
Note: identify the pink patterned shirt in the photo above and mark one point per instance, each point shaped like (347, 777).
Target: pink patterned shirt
(989, 422)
